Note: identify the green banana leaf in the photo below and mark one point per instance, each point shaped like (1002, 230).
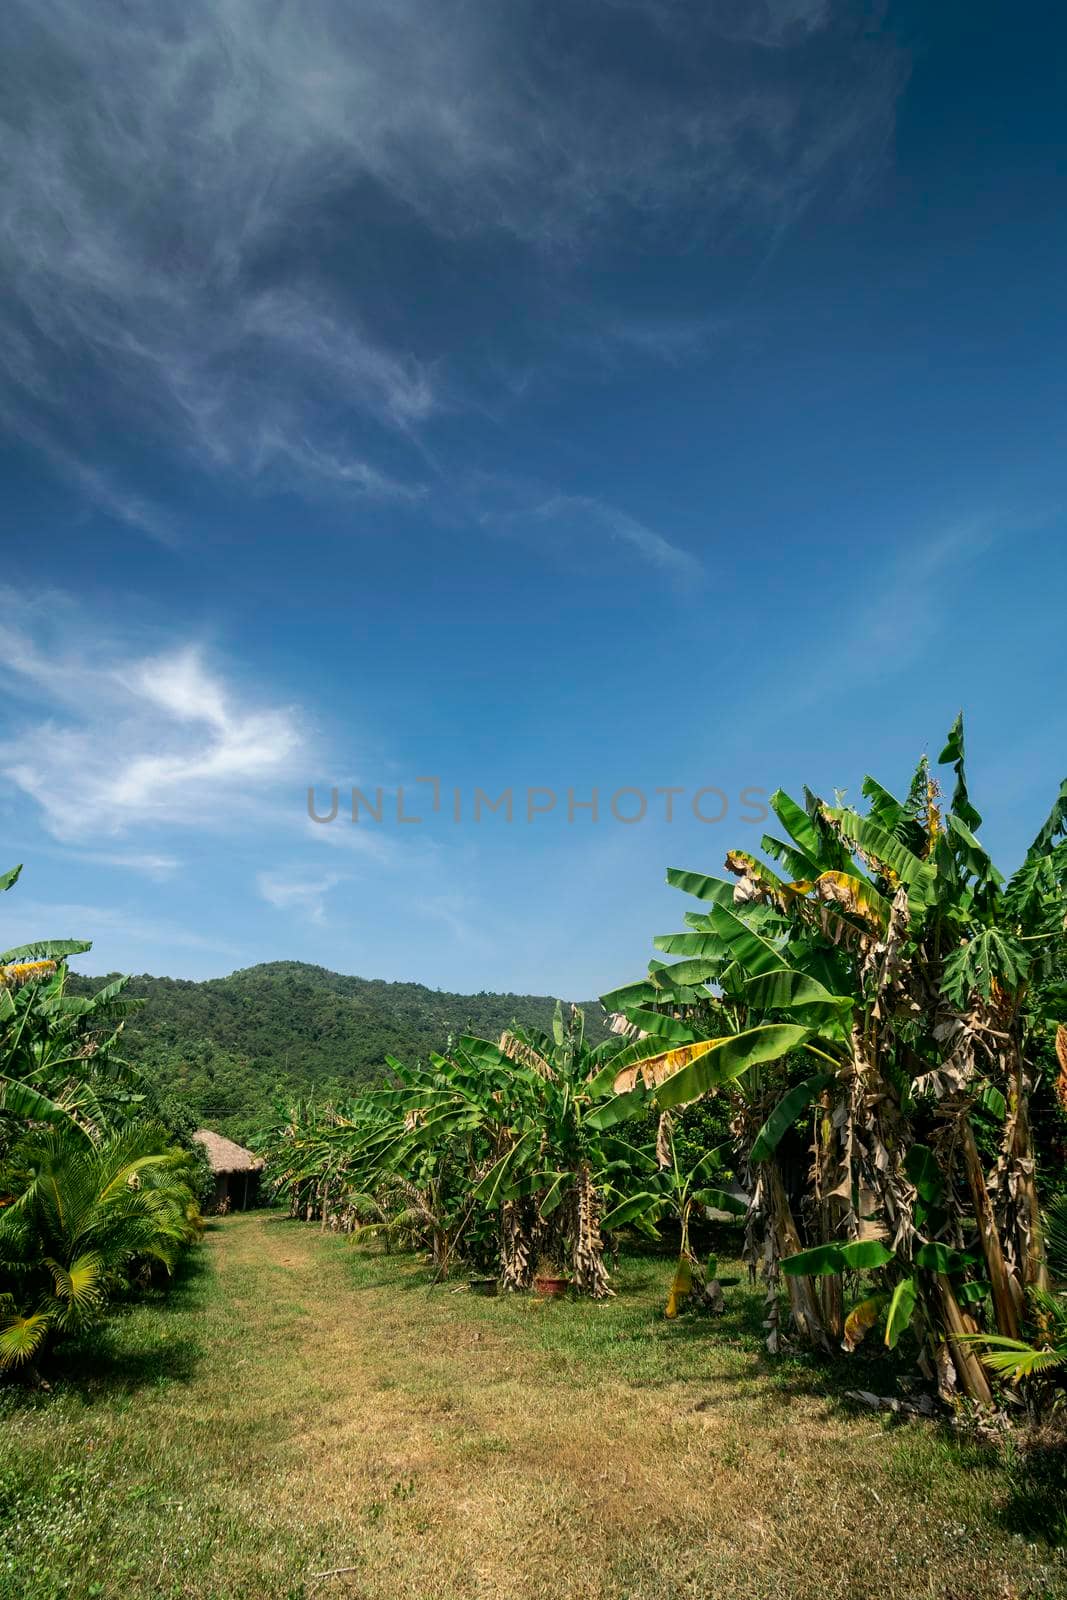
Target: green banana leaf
(863, 1255)
(785, 1113)
(901, 1310)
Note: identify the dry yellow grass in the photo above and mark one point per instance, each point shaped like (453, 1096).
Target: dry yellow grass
(341, 1415)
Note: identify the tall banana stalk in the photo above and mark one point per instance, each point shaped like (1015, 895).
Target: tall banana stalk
(896, 960)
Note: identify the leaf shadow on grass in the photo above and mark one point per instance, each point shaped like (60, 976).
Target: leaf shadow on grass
(1026, 1474)
(1036, 1503)
(725, 1357)
(134, 1349)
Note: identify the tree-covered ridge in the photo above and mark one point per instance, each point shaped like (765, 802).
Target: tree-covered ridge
(228, 1048)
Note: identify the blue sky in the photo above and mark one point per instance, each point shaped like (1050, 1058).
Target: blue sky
(619, 394)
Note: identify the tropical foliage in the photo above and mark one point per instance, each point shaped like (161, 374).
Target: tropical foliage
(500, 1153)
(869, 1002)
(904, 984)
(94, 1192)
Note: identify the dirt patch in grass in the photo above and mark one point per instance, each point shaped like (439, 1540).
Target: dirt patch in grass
(330, 1409)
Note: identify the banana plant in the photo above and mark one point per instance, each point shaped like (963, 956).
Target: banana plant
(561, 1166)
(1042, 1358)
(59, 1062)
(897, 960)
(679, 1189)
(495, 1146)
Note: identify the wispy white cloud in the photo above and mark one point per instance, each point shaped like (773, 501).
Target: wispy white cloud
(156, 866)
(672, 339)
(299, 893)
(903, 622)
(110, 741)
(583, 516)
(23, 920)
(125, 506)
(187, 194)
(312, 467)
(464, 920)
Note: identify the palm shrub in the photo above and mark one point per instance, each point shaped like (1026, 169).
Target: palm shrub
(78, 1219)
(898, 964)
(91, 1193)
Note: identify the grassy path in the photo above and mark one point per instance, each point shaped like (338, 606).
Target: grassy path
(296, 1408)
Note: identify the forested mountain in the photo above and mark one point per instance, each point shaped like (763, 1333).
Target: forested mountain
(230, 1048)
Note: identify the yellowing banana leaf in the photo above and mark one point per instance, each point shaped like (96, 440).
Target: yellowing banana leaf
(681, 1287)
(856, 895)
(686, 1072)
(861, 1319)
(887, 853)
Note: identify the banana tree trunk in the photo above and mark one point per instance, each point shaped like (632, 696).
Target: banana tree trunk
(516, 1246)
(1005, 1286)
(803, 1296)
(969, 1369)
(1021, 1176)
(830, 1174)
(590, 1273)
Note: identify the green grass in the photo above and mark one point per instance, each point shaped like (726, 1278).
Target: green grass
(295, 1406)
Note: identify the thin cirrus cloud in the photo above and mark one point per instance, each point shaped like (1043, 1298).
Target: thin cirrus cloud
(108, 742)
(189, 194)
(574, 518)
(306, 896)
(150, 864)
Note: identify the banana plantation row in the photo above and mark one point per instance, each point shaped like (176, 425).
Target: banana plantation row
(840, 1050)
(842, 1054)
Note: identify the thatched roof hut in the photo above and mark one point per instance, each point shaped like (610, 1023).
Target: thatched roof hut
(224, 1155)
(236, 1170)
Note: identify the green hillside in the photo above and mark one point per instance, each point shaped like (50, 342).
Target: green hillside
(229, 1048)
